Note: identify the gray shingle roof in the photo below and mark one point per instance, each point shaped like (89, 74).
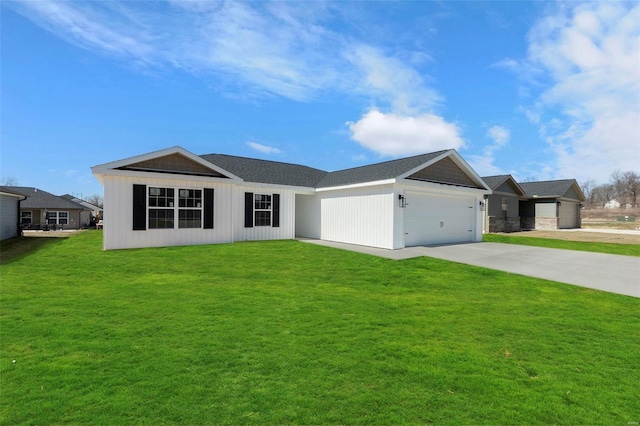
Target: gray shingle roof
(375, 172)
(39, 199)
(548, 188)
(495, 181)
(264, 171)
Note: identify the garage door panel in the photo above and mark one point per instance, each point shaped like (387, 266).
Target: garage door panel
(568, 215)
(431, 219)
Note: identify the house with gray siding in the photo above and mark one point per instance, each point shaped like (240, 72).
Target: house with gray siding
(175, 197)
(9, 213)
(502, 209)
(43, 210)
(551, 205)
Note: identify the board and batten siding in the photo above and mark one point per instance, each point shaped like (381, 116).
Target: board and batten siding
(286, 228)
(308, 216)
(9, 216)
(118, 213)
(363, 216)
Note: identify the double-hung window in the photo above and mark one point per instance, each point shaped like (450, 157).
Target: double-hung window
(57, 218)
(262, 209)
(161, 208)
(26, 218)
(190, 208)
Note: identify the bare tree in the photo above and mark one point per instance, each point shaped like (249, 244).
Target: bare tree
(8, 181)
(96, 200)
(631, 182)
(587, 189)
(602, 194)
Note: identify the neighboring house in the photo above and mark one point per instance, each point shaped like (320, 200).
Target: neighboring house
(553, 204)
(9, 212)
(174, 197)
(502, 210)
(43, 210)
(613, 204)
(91, 215)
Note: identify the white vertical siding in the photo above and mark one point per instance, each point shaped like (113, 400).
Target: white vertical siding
(285, 231)
(363, 216)
(118, 215)
(308, 216)
(8, 216)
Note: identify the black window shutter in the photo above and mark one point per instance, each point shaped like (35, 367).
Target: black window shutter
(275, 222)
(139, 207)
(208, 208)
(248, 209)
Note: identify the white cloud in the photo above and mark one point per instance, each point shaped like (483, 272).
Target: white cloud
(392, 81)
(397, 135)
(589, 108)
(500, 135)
(484, 164)
(263, 148)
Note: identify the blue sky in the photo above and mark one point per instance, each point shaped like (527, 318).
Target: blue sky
(540, 90)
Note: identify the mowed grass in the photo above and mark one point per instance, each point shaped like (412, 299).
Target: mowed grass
(285, 332)
(608, 248)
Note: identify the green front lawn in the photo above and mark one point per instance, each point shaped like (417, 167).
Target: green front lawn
(622, 249)
(285, 332)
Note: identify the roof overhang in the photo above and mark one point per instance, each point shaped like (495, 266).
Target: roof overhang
(115, 168)
(459, 161)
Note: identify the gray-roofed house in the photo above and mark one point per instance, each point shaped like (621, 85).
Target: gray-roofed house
(502, 210)
(88, 216)
(9, 212)
(551, 205)
(43, 210)
(174, 197)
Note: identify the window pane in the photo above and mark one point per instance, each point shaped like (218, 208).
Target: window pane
(190, 198)
(161, 219)
(263, 218)
(262, 202)
(190, 219)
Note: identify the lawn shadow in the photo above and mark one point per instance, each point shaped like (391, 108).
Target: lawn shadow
(19, 247)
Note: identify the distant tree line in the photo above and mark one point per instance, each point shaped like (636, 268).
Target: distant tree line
(623, 187)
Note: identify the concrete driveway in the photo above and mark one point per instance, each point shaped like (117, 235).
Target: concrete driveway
(606, 272)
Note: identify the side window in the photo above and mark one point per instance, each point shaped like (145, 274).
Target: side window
(262, 209)
(161, 208)
(190, 208)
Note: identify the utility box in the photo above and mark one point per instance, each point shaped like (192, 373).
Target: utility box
(629, 218)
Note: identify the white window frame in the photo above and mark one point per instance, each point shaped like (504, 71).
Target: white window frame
(177, 203)
(259, 200)
(22, 217)
(155, 193)
(56, 215)
(183, 206)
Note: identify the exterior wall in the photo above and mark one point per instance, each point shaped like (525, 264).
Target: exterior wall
(500, 224)
(39, 218)
(527, 223)
(308, 216)
(546, 223)
(285, 231)
(363, 216)
(9, 216)
(494, 205)
(118, 209)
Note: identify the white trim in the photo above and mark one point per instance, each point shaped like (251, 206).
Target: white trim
(358, 185)
(166, 176)
(108, 168)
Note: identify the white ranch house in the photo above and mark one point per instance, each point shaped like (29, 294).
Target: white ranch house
(174, 197)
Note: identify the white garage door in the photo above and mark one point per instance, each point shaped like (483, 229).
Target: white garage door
(431, 219)
(568, 215)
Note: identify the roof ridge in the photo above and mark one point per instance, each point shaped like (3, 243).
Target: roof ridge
(391, 161)
(261, 159)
